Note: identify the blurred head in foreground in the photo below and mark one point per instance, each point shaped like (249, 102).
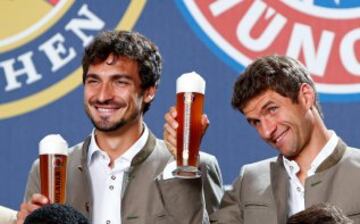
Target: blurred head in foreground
(323, 213)
(56, 214)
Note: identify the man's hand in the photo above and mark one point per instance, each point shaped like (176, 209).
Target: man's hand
(37, 201)
(171, 125)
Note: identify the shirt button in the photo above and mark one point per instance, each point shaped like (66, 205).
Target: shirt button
(298, 189)
(113, 177)
(111, 187)
(108, 221)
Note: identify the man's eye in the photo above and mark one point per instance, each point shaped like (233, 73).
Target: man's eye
(90, 81)
(122, 82)
(273, 109)
(254, 123)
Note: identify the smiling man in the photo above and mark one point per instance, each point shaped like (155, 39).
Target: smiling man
(117, 175)
(278, 98)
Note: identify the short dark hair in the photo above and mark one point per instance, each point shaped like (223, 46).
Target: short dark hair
(323, 213)
(281, 74)
(56, 214)
(129, 44)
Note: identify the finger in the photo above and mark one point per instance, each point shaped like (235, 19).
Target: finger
(171, 149)
(170, 137)
(173, 112)
(172, 141)
(169, 130)
(171, 120)
(39, 199)
(205, 122)
(20, 216)
(27, 208)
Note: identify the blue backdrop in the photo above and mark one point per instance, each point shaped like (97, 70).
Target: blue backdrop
(185, 48)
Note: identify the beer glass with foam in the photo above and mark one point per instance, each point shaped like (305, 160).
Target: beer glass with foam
(53, 151)
(190, 90)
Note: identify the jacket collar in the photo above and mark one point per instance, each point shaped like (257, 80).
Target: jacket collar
(139, 157)
(280, 180)
(280, 188)
(334, 158)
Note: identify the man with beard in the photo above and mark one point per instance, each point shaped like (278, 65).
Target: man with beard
(278, 98)
(116, 174)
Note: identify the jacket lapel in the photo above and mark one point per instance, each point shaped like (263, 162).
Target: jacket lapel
(315, 185)
(137, 160)
(79, 184)
(280, 188)
(131, 176)
(145, 151)
(334, 157)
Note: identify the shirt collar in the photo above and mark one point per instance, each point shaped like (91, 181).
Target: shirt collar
(129, 154)
(292, 167)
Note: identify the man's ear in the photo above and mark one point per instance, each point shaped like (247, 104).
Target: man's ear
(149, 94)
(307, 95)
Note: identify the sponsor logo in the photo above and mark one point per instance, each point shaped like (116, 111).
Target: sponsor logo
(324, 35)
(41, 50)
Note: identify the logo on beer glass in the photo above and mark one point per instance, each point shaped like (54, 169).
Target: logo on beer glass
(190, 90)
(53, 159)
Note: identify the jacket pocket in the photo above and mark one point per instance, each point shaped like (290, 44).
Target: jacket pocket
(258, 213)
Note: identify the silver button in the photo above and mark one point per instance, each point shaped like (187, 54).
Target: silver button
(111, 187)
(113, 177)
(108, 221)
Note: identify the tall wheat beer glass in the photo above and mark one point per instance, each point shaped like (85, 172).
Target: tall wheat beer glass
(53, 159)
(190, 90)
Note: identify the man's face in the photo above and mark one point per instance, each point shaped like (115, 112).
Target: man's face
(283, 124)
(113, 96)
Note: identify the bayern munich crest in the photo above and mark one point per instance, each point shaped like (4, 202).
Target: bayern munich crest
(41, 45)
(324, 35)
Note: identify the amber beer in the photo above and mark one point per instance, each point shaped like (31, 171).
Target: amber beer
(190, 90)
(53, 160)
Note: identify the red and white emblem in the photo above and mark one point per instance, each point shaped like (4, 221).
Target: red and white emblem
(326, 40)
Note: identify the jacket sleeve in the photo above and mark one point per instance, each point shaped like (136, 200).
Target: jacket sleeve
(212, 182)
(230, 211)
(190, 201)
(33, 182)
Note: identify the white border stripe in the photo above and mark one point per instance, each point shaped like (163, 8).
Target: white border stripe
(34, 27)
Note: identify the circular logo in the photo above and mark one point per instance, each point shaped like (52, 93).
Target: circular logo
(41, 50)
(324, 35)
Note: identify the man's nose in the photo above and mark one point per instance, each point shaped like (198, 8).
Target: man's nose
(105, 93)
(268, 126)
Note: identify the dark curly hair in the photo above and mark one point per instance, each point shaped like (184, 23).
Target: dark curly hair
(281, 74)
(55, 214)
(132, 45)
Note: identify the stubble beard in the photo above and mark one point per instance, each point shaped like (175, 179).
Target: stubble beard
(106, 126)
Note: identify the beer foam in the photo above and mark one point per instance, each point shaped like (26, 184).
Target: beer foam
(190, 82)
(53, 144)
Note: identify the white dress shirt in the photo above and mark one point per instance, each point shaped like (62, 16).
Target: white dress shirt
(107, 181)
(7, 215)
(296, 200)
